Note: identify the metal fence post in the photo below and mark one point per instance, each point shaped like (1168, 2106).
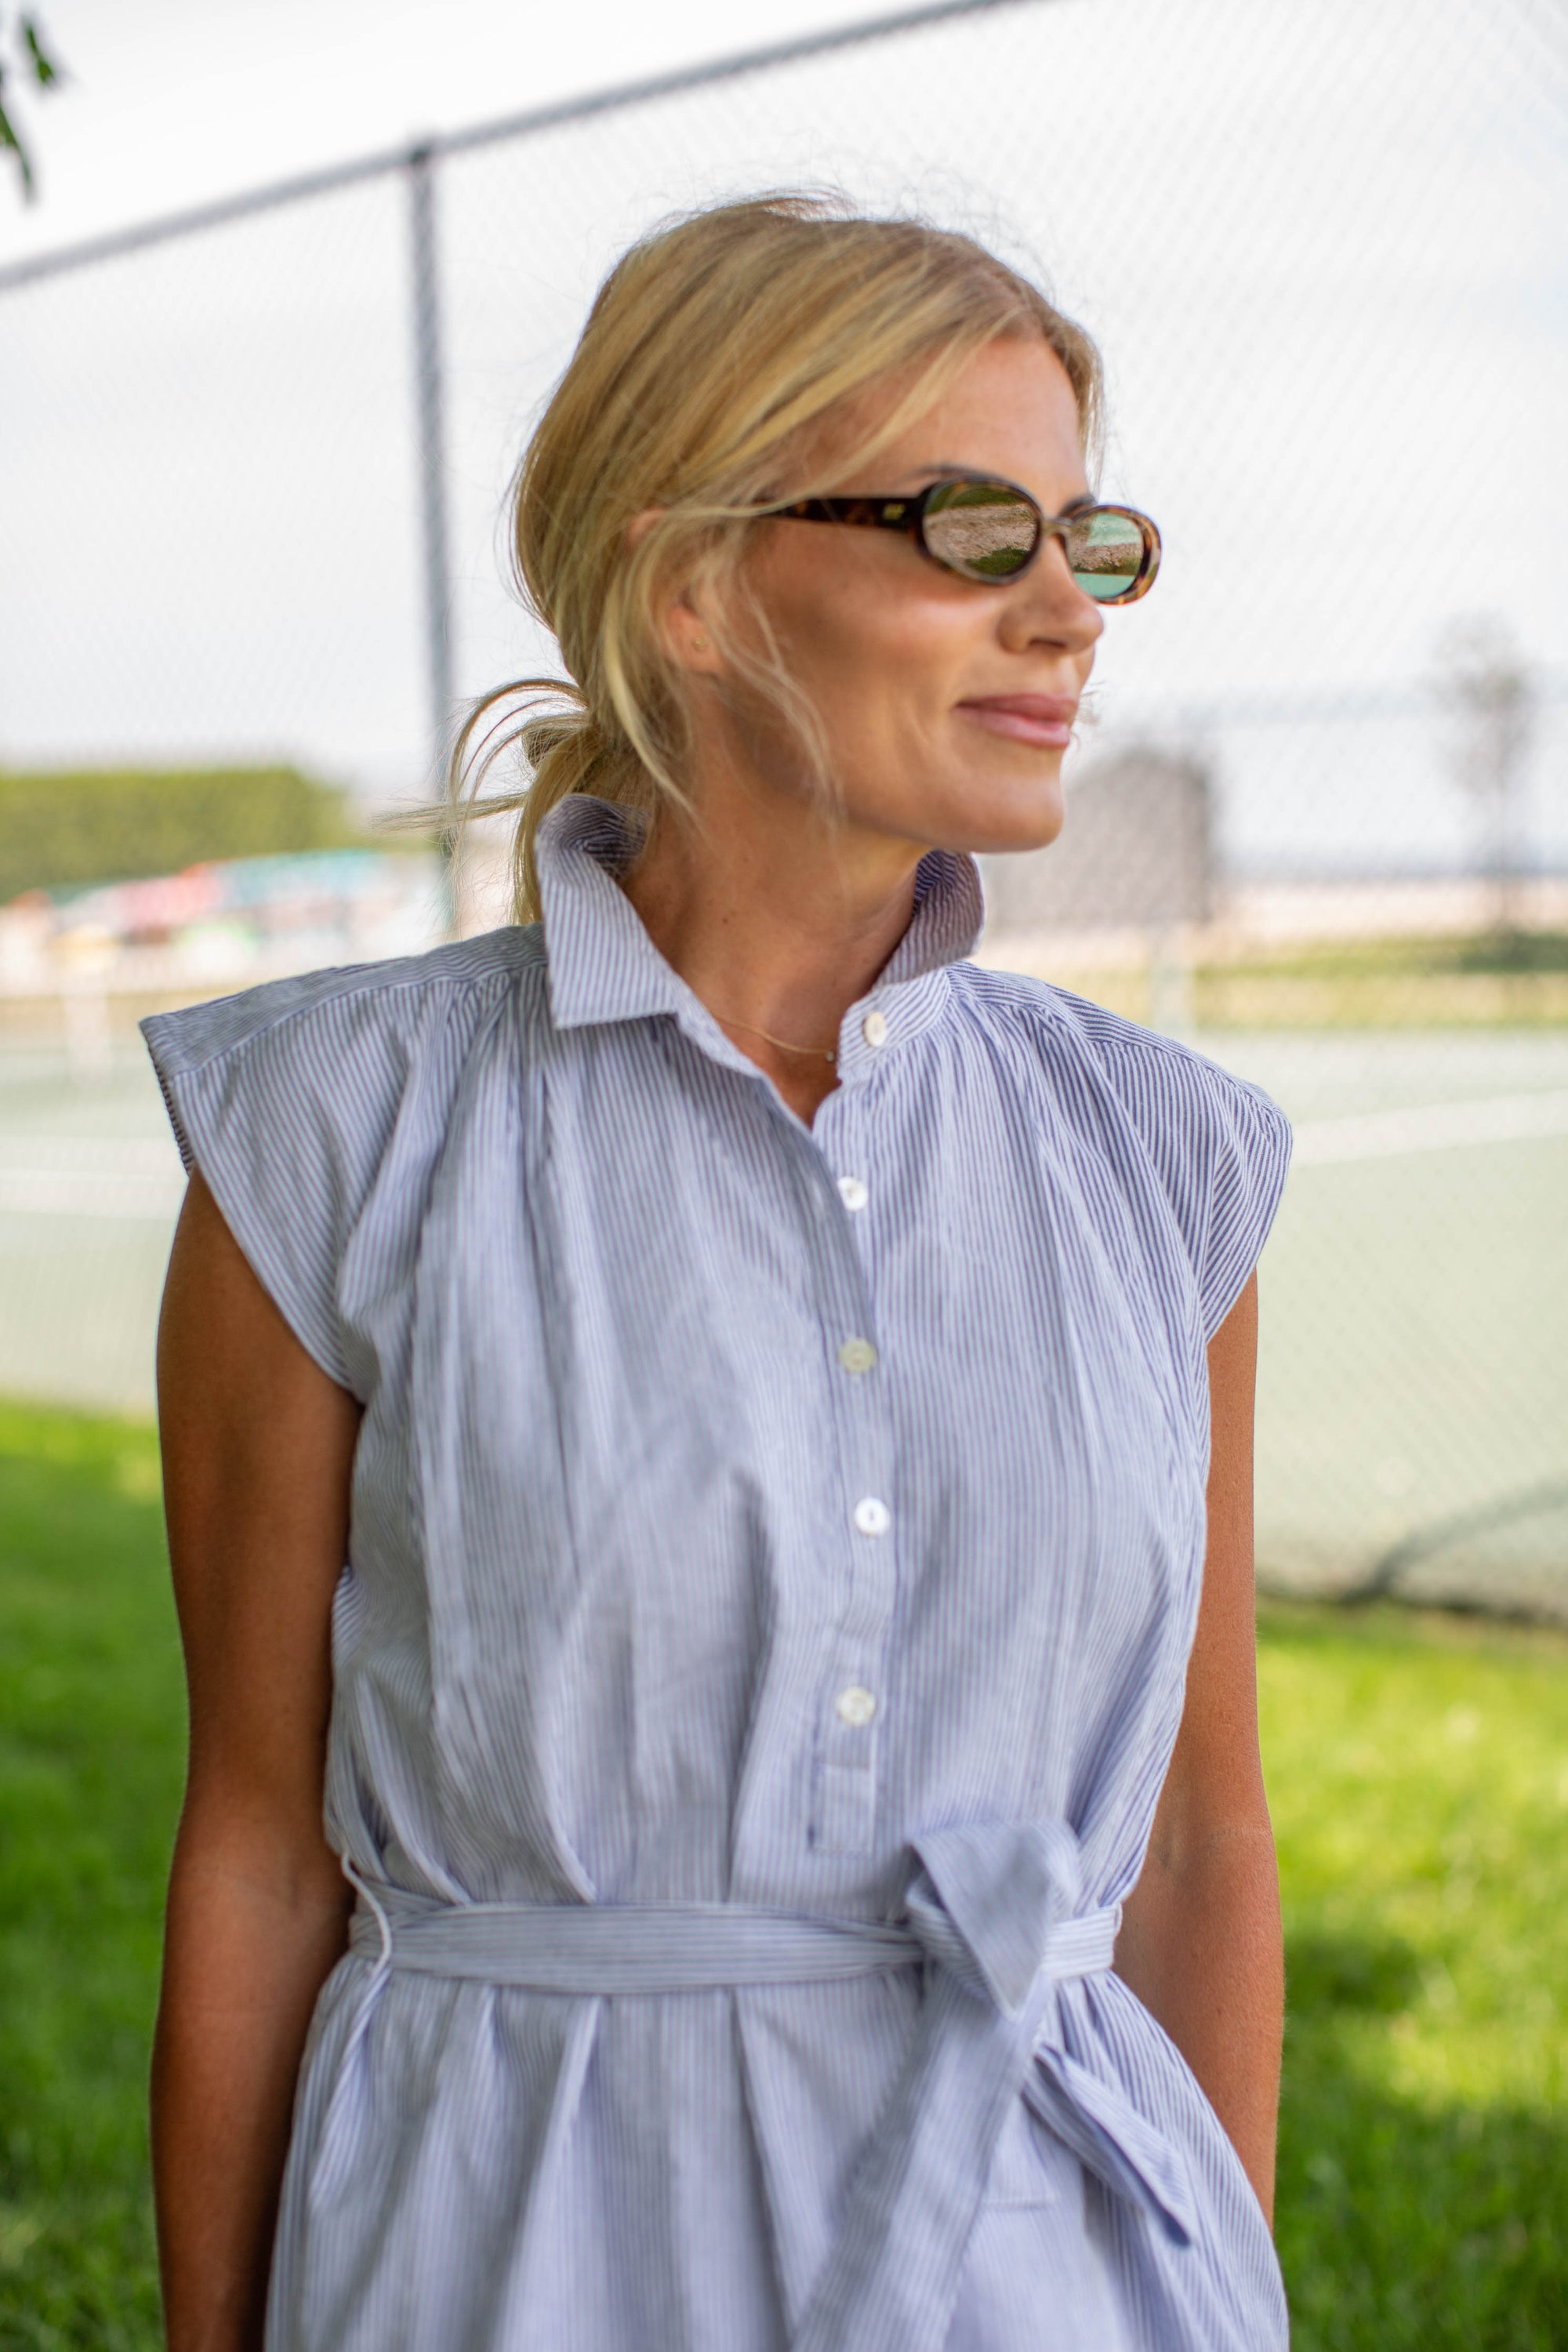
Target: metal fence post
(425, 290)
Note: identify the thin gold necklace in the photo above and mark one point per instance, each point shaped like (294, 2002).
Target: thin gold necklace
(818, 1053)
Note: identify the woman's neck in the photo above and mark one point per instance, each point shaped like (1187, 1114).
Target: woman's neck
(778, 919)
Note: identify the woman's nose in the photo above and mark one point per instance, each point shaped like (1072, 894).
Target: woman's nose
(1050, 607)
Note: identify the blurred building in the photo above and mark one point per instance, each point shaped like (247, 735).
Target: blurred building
(1129, 883)
(1136, 853)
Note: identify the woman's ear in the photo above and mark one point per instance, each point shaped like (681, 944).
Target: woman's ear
(687, 636)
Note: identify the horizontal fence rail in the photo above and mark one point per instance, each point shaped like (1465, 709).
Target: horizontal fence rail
(304, 186)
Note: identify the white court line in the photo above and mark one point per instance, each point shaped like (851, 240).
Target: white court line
(152, 1192)
(113, 1155)
(1432, 1126)
(137, 1195)
(135, 1177)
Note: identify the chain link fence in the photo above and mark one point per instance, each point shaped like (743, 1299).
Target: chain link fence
(251, 470)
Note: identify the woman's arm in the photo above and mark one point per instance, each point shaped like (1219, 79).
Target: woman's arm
(258, 1445)
(1200, 1942)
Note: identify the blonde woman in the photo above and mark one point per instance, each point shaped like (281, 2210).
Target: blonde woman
(687, 1426)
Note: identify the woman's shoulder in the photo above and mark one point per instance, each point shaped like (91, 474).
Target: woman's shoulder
(394, 1000)
(1216, 1146)
(313, 1104)
(1166, 1086)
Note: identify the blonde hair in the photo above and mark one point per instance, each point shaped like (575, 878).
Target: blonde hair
(714, 353)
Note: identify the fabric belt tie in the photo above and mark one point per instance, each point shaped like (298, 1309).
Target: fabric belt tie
(993, 1917)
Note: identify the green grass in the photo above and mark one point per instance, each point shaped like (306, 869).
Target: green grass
(92, 1741)
(1418, 1774)
(1410, 957)
(1485, 979)
(1418, 1770)
(1475, 981)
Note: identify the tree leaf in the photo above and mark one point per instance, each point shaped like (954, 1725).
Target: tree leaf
(44, 70)
(8, 139)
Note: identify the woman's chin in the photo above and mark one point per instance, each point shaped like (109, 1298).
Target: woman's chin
(1007, 820)
(987, 815)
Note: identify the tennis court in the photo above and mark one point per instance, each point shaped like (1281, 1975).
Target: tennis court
(1414, 1361)
(1415, 1368)
(90, 1186)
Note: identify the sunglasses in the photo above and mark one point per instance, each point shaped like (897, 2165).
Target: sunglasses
(992, 531)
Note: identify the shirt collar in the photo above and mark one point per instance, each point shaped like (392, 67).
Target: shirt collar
(604, 967)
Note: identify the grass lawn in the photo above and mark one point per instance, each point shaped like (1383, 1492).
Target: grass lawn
(1469, 981)
(1418, 1771)
(1419, 1775)
(92, 1739)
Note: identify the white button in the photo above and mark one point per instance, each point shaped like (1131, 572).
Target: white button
(852, 1192)
(874, 1028)
(872, 1517)
(854, 1707)
(856, 1354)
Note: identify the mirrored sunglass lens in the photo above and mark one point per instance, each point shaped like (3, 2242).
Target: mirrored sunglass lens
(1105, 554)
(984, 529)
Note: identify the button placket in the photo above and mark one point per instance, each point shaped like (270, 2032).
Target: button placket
(851, 1710)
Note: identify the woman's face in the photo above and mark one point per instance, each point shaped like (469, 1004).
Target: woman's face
(946, 705)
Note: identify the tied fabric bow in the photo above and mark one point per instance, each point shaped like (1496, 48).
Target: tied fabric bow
(996, 1910)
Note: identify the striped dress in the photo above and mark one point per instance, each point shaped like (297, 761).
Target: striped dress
(774, 1556)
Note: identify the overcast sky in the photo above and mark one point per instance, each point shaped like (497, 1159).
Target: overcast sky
(1323, 249)
(171, 102)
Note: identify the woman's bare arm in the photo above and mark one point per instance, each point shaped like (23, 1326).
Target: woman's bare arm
(1200, 1942)
(257, 1446)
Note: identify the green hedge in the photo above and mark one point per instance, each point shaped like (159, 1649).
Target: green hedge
(106, 825)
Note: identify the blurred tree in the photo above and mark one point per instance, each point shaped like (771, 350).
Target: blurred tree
(63, 831)
(1485, 683)
(23, 52)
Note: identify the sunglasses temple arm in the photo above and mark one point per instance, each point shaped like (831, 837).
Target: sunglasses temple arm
(854, 510)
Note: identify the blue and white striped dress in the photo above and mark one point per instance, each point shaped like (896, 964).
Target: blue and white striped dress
(773, 1561)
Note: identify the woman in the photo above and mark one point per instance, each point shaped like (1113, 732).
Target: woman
(794, 1755)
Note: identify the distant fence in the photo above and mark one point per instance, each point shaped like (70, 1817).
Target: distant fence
(251, 465)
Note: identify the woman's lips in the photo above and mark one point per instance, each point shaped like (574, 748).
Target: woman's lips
(1041, 719)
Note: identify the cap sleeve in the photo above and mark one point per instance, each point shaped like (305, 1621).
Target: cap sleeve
(284, 1099)
(1249, 1158)
(1222, 1149)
